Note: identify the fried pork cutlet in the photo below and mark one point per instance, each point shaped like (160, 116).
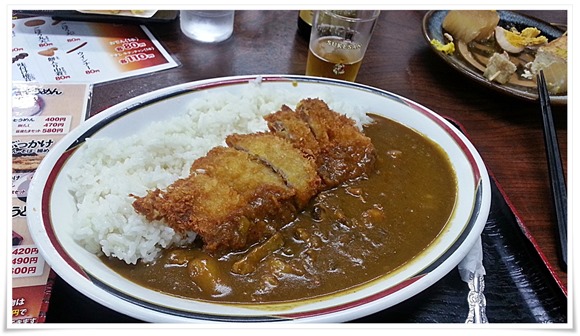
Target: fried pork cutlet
(230, 200)
(244, 173)
(198, 203)
(345, 152)
(341, 151)
(265, 193)
(241, 194)
(287, 124)
(298, 169)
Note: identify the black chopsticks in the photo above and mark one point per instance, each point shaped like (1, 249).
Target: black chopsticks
(557, 181)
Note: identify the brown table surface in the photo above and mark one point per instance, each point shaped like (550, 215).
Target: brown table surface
(507, 131)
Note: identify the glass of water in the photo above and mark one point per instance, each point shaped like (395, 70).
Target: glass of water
(208, 26)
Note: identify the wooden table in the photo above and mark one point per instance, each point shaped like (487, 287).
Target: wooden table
(507, 131)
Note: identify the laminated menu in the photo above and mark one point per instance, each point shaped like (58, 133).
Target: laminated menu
(52, 50)
(41, 115)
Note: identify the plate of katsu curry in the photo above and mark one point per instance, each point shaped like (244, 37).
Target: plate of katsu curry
(273, 198)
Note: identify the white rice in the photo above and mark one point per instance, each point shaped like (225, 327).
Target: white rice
(111, 169)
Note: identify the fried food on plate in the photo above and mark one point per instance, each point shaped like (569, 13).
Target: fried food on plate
(345, 153)
(241, 194)
(198, 203)
(227, 200)
(288, 124)
(297, 168)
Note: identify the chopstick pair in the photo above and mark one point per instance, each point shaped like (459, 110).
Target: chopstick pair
(557, 181)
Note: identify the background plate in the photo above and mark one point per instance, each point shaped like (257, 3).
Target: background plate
(432, 29)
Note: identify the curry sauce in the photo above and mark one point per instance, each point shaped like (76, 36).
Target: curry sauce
(346, 236)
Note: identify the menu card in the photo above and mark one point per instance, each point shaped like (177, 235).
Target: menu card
(49, 50)
(54, 64)
(41, 115)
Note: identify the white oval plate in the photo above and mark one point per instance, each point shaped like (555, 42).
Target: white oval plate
(50, 208)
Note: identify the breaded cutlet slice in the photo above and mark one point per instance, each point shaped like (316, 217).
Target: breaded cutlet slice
(230, 200)
(345, 152)
(241, 171)
(287, 124)
(258, 184)
(298, 169)
(322, 120)
(198, 203)
(269, 201)
(340, 161)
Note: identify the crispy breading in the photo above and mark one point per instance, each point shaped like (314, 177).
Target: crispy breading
(229, 200)
(287, 124)
(242, 172)
(197, 203)
(298, 169)
(238, 195)
(345, 152)
(340, 161)
(264, 191)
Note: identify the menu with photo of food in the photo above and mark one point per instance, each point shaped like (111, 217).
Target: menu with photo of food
(41, 115)
(52, 50)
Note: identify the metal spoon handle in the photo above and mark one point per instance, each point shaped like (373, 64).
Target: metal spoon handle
(476, 300)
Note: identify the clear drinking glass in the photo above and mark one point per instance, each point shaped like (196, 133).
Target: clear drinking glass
(338, 42)
(208, 26)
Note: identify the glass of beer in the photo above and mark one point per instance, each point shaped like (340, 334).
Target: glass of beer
(338, 42)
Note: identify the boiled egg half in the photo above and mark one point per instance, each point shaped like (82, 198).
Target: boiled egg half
(515, 42)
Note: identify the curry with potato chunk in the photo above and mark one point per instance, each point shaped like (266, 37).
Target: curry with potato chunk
(345, 236)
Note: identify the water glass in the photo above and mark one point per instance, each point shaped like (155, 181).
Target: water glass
(208, 26)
